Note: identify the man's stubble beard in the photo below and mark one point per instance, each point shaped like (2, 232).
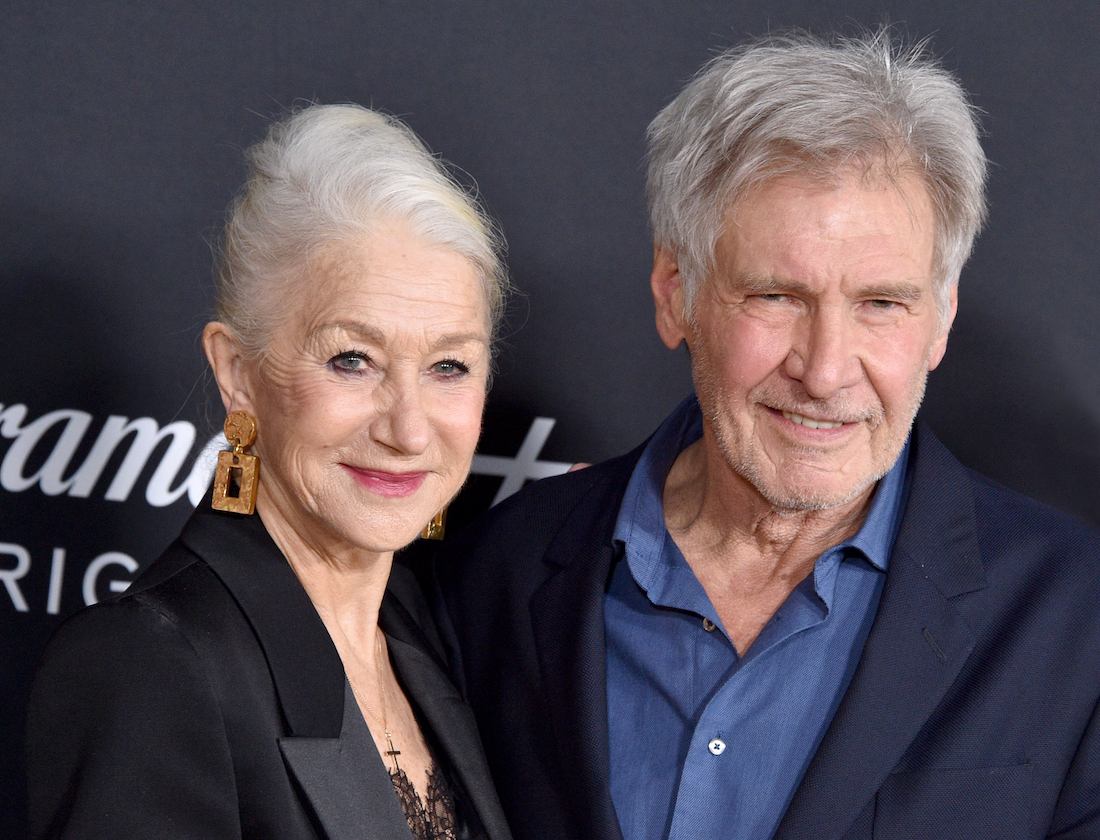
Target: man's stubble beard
(746, 459)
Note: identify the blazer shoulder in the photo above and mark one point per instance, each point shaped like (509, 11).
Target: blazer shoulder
(951, 502)
(998, 509)
(1038, 549)
(173, 596)
(125, 721)
(1006, 510)
(535, 514)
(180, 591)
(127, 651)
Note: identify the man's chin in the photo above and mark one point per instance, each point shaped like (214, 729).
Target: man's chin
(809, 502)
(803, 494)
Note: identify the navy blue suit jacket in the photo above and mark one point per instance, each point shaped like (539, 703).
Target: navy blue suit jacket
(972, 713)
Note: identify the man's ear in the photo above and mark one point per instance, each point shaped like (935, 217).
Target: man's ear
(668, 296)
(227, 360)
(939, 346)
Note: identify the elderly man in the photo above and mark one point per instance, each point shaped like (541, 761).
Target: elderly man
(791, 612)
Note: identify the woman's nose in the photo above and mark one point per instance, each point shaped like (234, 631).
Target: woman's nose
(402, 423)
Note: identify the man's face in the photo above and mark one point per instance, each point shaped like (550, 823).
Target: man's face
(814, 336)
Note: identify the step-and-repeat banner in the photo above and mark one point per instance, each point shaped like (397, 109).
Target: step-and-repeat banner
(120, 145)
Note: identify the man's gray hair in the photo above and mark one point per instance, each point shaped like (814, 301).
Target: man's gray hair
(800, 105)
(337, 173)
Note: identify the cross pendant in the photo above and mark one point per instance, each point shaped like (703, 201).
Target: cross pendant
(392, 753)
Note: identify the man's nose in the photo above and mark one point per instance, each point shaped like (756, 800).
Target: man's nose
(824, 355)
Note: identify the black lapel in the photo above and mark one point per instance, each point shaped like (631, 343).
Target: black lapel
(423, 675)
(567, 617)
(332, 756)
(917, 645)
(346, 782)
(306, 669)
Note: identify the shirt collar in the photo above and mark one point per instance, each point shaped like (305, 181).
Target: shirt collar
(640, 526)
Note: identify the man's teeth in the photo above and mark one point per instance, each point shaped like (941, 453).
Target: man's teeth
(812, 424)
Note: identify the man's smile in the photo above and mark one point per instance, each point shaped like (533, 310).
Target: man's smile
(810, 422)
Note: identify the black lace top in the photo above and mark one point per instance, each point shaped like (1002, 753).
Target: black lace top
(431, 820)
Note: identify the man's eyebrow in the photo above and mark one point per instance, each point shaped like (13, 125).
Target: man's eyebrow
(764, 285)
(760, 284)
(900, 290)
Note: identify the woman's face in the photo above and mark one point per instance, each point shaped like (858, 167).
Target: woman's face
(368, 400)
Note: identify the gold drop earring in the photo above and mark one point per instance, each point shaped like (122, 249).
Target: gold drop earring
(434, 529)
(236, 478)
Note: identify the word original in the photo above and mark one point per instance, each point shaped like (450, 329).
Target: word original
(12, 575)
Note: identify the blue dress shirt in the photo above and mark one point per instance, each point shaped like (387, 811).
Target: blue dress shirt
(706, 744)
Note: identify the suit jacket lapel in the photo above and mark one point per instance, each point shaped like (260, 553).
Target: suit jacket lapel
(346, 781)
(450, 720)
(571, 649)
(305, 667)
(330, 753)
(916, 647)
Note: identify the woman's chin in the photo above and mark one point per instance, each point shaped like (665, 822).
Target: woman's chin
(391, 535)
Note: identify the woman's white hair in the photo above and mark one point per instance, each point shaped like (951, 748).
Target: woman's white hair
(337, 173)
(799, 105)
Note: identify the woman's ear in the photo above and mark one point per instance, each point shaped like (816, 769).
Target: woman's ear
(231, 371)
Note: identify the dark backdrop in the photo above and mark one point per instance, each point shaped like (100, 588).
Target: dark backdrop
(122, 128)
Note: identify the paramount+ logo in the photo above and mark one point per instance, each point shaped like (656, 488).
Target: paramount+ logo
(128, 446)
(56, 474)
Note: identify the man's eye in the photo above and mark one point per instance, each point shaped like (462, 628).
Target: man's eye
(884, 304)
(774, 296)
(350, 361)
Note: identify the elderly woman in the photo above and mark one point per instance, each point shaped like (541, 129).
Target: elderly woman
(272, 675)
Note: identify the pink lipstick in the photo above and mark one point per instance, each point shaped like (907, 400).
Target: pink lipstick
(388, 483)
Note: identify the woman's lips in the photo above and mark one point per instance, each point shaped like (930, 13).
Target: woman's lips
(388, 483)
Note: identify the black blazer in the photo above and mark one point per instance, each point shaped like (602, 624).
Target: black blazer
(209, 702)
(972, 713)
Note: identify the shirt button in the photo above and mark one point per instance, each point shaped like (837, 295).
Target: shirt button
(708, 625)
(717, 746)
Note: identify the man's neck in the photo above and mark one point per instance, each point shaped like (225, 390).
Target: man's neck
(747, 553)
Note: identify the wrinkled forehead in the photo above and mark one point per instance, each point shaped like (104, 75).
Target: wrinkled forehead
(870, 171)
(393, 254)
(855, 231)
(388, 275)
(871, 166)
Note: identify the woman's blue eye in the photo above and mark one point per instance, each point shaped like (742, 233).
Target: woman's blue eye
(450, 367)
(350, 361)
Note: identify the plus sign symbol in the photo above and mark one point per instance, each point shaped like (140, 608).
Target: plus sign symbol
(525, 466)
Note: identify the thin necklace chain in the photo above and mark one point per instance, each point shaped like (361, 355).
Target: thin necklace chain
(391, 752)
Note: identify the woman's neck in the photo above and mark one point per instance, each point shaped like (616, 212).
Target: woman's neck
(345, 585)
